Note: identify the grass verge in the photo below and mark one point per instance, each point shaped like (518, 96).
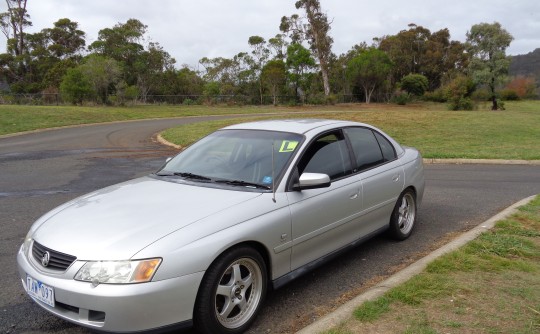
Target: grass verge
(491, 285)
(430, 127)
(436, 132)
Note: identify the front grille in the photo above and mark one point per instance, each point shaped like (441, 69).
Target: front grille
(57, 260)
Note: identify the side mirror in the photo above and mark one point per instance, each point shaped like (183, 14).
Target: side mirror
(312, 181)
(168, 159)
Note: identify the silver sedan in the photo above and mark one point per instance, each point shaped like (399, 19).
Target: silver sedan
(199, 242)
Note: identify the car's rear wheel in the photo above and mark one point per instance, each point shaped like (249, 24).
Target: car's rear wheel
(403, 217)
(231, 292)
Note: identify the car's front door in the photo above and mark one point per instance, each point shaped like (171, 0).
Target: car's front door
(321, 217)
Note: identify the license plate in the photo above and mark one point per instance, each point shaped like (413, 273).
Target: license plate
(40, 291)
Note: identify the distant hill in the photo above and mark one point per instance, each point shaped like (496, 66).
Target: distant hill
(526, 65)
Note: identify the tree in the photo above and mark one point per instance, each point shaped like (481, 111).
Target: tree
(75, 87)
(123, 44)
(370, 69)
(419, 51)
(275, 76)
(315, 32)
(299, 61)
(260, 55)
(278, 46)
(523, 86)
(149, 67)
(13, 22)
(101, 72)
(65, 40)
(486, 45)
(415, 84)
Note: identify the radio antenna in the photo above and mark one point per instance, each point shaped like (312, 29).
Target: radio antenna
(273, 176)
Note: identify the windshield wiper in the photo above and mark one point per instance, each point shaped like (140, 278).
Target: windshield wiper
(192, 176)
(243, 184)
(185, 175)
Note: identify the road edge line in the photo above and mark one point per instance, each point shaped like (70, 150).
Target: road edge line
(345, 311)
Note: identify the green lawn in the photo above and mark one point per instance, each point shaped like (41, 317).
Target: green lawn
(435, 131)
(490, 285)
(16, 118)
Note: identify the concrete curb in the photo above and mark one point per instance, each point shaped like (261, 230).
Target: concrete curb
(345, 311)
(435, 161)
(165, 142)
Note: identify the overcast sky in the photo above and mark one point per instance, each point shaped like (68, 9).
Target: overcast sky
(192, 29)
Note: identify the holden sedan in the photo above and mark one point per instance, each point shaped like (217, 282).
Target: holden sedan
(199, 242)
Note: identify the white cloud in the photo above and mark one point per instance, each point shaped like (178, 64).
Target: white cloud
(190, 30)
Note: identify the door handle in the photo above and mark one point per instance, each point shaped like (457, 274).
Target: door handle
(353, 196)
(395, 178)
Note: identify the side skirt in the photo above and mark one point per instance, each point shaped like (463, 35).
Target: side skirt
(281, 281)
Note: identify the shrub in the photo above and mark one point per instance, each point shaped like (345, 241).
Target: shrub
(402, 98)
(437, 95)
(318, 98)
(331, 99)
(75, 87)
(481, 94)
(509, 95)
(462, 103)
(414, 84)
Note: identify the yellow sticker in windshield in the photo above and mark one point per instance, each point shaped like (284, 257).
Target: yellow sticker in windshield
(288, 146)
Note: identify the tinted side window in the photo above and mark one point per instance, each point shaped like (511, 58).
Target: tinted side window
(327, 155)
(365, 147)
(387, 148)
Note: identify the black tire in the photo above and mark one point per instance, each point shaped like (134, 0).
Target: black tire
(403, 217)
(231, 292)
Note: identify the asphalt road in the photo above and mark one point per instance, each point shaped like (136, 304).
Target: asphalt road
(42, 170)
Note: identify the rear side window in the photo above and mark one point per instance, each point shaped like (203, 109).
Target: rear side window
(365, 147)
(387, 148)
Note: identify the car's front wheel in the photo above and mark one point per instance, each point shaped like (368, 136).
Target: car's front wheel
(404, 215)
(231, 292)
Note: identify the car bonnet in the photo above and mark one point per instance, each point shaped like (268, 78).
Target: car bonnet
(116, 222)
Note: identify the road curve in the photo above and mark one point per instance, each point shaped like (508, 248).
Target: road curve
(39, 171)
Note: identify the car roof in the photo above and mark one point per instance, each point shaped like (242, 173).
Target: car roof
(300, 126)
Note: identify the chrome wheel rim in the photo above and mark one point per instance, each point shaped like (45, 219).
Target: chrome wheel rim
(407, 213)
(238, 293)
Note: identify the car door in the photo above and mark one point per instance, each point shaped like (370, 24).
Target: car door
(320, 217)
(381, 173)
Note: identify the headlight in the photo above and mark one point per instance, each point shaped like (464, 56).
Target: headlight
(26, 243)
(118, 272)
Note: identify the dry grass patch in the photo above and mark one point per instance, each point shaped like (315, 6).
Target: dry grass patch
(491, 285)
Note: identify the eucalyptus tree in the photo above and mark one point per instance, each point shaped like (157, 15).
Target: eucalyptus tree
(486, 45)
(101, 72)
(13, 23)
(299, 63)
(150, 66)
(123, 43)
(65, 39)
(274, 76)
(316, 32)
(370, 69)
(260, 55)
(418, 51)
(278, 46)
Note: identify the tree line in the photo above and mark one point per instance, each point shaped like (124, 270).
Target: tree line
(297, 62)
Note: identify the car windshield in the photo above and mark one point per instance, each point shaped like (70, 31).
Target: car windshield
(239, 158)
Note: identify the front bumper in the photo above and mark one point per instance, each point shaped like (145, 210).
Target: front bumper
(115, 307)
